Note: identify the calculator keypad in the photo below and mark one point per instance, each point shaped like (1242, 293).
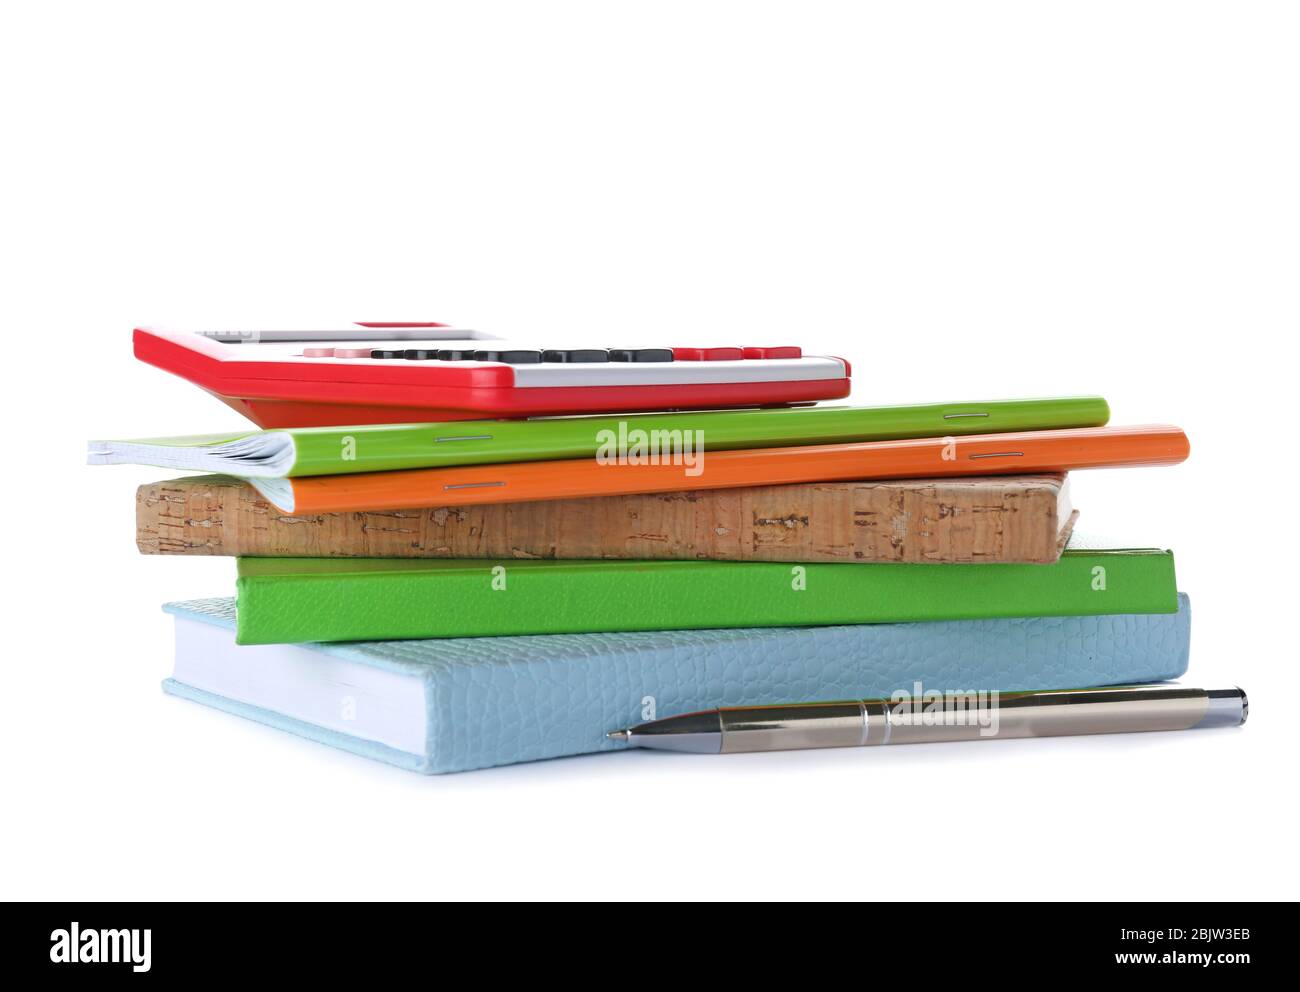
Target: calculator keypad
(561, 356)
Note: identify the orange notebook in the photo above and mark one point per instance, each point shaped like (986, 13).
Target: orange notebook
(681, 469)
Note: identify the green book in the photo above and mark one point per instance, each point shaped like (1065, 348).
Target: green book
(293, 600)
(310, 451)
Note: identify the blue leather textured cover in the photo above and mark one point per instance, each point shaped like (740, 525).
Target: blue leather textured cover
(502, 700)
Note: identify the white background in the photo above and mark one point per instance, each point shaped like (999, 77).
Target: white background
(967, 200)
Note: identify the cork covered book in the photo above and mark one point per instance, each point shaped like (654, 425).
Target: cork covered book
(987, 519)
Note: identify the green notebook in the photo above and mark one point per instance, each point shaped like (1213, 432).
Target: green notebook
(292, 600)
(348, 450)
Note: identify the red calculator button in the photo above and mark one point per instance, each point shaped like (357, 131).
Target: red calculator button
(707, 354)
(781, 352)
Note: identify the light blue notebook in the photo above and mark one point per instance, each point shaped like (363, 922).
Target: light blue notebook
(453, 705)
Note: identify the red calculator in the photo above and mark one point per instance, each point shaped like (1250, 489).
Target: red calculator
(412, 372)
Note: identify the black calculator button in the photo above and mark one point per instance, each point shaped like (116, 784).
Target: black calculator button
(576, 355)
(640, 354)
(421, 354)
(385, 353)
(456, 355)
(509, 357)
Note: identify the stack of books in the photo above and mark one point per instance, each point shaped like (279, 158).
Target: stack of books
(458, 595)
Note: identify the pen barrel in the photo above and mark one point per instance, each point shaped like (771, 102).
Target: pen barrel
(1068, 713)
(793, 728)
(977, 716)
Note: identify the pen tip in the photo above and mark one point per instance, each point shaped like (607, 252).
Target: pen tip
(617, 735)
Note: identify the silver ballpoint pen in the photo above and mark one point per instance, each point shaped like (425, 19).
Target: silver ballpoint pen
(941, 717)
